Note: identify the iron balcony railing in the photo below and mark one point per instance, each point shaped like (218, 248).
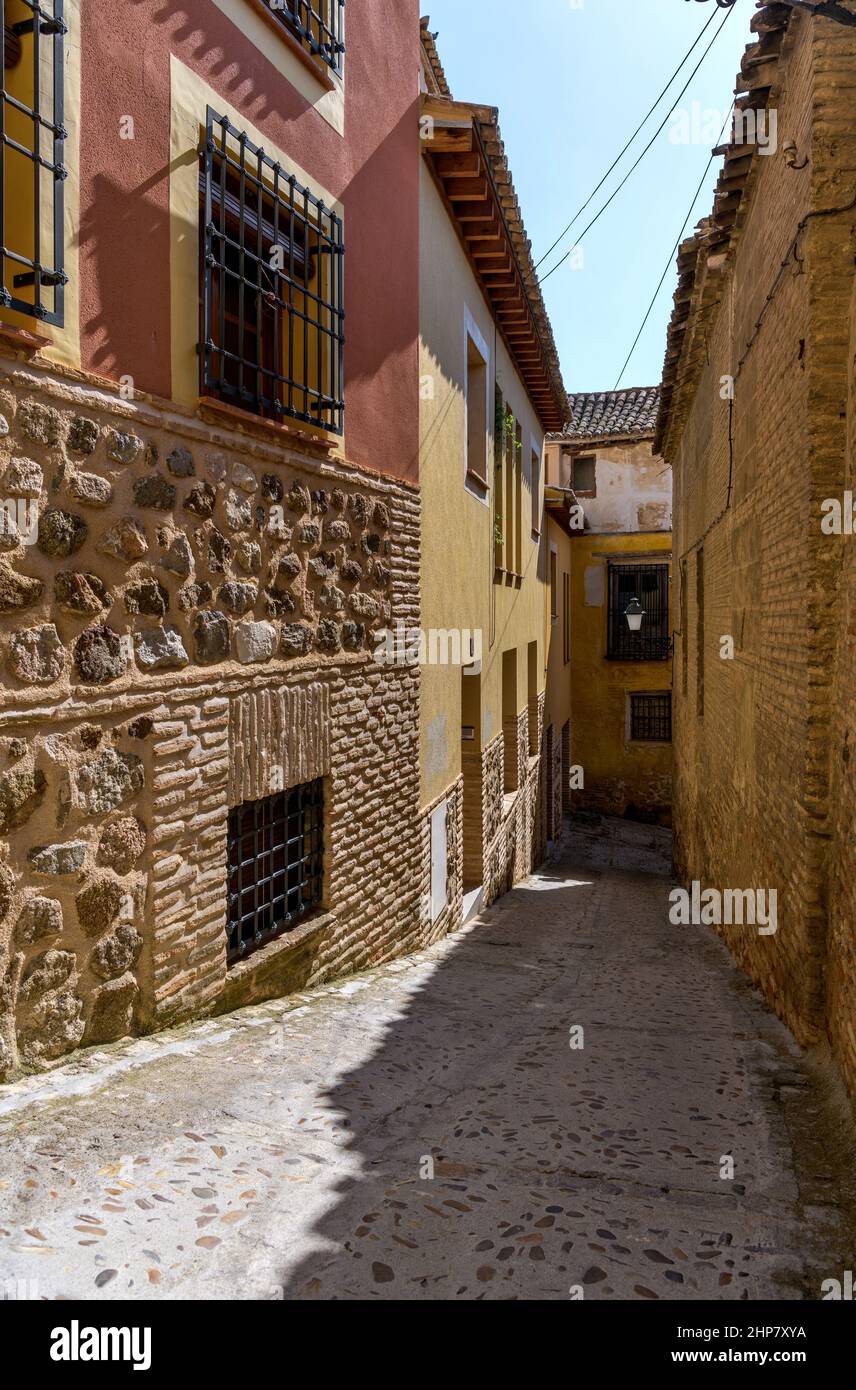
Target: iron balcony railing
(273, 322)
(650, 585)
(32, 172)
(319, 26)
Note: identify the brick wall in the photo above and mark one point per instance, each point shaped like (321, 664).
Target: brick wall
(760, 740)
(189, 624)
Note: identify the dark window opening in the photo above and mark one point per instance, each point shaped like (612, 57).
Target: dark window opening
(650, 585)
(276, 865)
(318, 26)
(584, 475)
(651, 718)
(32, 173)
(272, 294)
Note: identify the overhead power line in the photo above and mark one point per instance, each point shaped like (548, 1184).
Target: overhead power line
(696, 41)
(651, 142)
(672, 255)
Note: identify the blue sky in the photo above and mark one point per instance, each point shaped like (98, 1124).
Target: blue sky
(572, 80)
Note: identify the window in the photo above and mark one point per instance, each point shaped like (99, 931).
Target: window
(554, 587)
(651, 718)
(700, 633)
(566, 617)
(317, 24)
(476, 404)
(272, 294)
(510, 472)
(583, 477)
(650, 585)
(535, 475)
(518, 499)
(276, 865)
(685, 636)
(510, 723)
(31, 167)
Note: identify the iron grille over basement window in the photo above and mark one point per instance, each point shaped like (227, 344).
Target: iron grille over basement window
(276, 865)
(319, 26)
(650, 584)
(31, 167)
(272, 294)
(651, 718)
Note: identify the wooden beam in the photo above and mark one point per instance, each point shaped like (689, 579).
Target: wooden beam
(450, 140)
(474, 212)
(488, 250)
(458, 165)
(465, 190)
(490, 230)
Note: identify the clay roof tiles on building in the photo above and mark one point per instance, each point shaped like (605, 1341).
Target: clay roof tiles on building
(627, 414)
(432, 59)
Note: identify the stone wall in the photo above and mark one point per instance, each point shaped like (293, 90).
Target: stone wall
(762, 795)
(186, 620)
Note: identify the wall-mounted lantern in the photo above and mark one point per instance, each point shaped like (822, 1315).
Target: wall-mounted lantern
(634, 613)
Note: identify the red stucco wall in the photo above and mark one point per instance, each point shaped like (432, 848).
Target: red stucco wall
(373, 169)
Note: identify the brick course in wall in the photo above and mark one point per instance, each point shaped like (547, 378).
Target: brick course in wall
(188, 625)
(762, 794)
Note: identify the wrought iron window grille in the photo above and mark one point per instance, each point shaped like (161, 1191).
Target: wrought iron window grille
(319, 26)
(650, 585)
(276, 866)
(32, 172)
(651, 718)
(272, 330)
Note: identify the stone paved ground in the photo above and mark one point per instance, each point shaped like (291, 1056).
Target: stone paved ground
(280, 1152)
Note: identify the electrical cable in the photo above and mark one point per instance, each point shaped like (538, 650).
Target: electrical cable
(696, 41)
(653, 139)
(672, 254)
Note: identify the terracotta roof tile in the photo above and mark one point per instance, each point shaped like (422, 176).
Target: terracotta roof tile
(631, 413)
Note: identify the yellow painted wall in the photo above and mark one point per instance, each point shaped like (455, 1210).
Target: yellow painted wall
(619, 774)
(557, 709)
(458, 588)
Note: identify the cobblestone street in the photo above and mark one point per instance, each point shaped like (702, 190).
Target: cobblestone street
(281, 1151)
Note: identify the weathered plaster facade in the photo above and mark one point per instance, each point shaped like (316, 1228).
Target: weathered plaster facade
(623, 517)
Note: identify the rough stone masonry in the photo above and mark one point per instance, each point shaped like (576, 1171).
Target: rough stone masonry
(186, 617)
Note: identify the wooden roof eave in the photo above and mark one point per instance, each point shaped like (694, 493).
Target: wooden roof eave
(455, 128)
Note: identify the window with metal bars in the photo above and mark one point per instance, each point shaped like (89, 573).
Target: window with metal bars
(272, 286)
(276, 865)
(651, 718)
(650, 585)
(32, 173)
(319, 27)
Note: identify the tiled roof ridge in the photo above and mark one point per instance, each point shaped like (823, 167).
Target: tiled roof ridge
(627, 413)
(491, 138)
(429, 45)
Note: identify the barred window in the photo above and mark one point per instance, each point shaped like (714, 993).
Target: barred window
(32, 136)
(317, 24)
(272, 292)
(650, 585)
(276, 865)
(651, 718)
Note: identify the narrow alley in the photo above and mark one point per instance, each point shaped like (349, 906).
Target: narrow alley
(295, 1162)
